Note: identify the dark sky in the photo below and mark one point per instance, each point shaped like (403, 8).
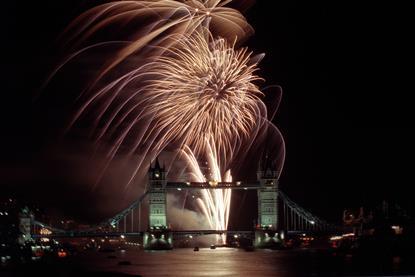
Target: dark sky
(346, 112)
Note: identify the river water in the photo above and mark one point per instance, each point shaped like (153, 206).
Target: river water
(216, 262)
(206, 262)
(233, 262)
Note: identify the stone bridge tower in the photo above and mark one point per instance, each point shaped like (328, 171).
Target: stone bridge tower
(266, 234)
(157, 197)
(158, 236)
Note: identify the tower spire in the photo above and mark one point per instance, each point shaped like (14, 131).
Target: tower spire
(157, 165)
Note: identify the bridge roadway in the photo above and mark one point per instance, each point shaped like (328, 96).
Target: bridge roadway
(140, 234)
(212, 185)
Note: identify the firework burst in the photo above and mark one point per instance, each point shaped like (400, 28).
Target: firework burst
(178, 82)
(200, 87)
(204, 86)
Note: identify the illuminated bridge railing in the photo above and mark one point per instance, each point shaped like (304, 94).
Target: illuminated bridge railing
(184, 233)
(212, 185)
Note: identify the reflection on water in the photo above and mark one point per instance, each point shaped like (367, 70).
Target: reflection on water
(218, 262)
(205, 262)
(236, 262)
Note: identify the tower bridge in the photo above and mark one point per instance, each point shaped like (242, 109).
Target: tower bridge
(276, 213)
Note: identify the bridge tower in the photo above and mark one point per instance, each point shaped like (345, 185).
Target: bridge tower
(266, 233)
(158, 235)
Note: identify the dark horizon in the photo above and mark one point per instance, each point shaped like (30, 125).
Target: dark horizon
(345, 112)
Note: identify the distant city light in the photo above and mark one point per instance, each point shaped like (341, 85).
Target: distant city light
(398, 229)
(62, 254)
(45, 231)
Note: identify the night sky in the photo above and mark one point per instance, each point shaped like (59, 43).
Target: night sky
(345, 114)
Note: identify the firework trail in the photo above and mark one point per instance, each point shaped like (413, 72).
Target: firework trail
(156, 20)
(215, 203)
(179, 82)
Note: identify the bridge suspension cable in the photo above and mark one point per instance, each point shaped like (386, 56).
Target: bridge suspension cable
(112, 223)
(299, 219)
